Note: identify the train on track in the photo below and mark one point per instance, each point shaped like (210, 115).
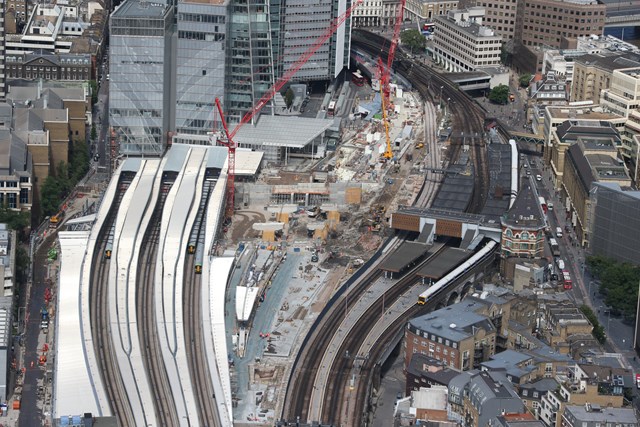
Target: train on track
(458, 272)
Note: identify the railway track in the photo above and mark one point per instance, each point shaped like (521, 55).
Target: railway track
(310, 358)
(335, 403)
(101, 327)
(198, 365)
(471, 120)
(468, 117)
(147, 326)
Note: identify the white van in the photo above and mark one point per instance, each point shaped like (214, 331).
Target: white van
(559, 232)
(560, 264)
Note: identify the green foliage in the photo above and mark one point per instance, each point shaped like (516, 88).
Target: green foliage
(19, 221)
(56, 187)
(598, 330)
(79, 166)
(22, 264)
(51, 195)
(93, 86)
(619, 284)
(524, 80)
(414, 40)
(499, 94)
(94, 133)
(288, 97)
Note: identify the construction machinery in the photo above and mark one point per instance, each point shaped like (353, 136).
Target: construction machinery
(268, 95)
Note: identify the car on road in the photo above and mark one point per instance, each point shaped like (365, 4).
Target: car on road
(538, 177)
(559, 232)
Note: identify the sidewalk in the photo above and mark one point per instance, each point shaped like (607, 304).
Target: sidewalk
(583, 278)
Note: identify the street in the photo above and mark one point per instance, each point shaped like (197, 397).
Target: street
(585, 287)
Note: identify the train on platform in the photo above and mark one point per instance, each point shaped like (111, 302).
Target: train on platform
(458, 272)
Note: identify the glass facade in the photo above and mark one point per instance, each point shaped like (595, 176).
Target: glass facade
(249, 68)
(140, 67)
(200, 65)
(295, 27)
(615, 223)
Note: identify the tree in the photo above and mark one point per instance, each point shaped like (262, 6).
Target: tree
(619, 284)
(288, 97)
(94, 133)
(79, 158)
(50, 197)
(414, 40)
(93, 86)
(499, 94)
(598, 329)
(15, 220)
(524, 80)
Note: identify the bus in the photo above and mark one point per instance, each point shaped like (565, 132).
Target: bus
(543, 204)
(357, 78)
(567, 280)
(555, 248)
(427, 28)
(332, 108)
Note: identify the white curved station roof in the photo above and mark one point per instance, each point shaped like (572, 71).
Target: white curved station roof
(73, 375)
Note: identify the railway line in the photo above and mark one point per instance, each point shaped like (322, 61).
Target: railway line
(310, 359)
(342, 366)
(147, 327)
(470, 119)
(196, 354)
(101, 327)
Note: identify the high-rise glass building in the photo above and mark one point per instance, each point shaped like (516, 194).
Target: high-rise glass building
(2, 59)
(140, 89)
(295, 27)
(614, 223)
(170, 61)
(200, 63)
(249, 68)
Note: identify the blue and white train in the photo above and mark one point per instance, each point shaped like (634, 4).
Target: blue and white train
(458, 272)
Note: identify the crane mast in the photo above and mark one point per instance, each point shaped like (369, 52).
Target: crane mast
(385, 77)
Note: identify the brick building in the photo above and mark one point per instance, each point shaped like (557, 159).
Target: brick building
(462, 335)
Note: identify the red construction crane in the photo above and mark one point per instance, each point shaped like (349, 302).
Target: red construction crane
(385, 76)
(230, 143)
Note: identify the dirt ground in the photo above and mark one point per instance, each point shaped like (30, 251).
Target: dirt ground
(241, 225)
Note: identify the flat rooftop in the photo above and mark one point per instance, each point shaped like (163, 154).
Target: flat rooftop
(282, 131)
(212, 2)
(582, 112)
(407, 253)
(140, 9)
(442, 263)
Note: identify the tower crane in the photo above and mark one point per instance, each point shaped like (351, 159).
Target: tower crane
(229, 142)
(385, 76)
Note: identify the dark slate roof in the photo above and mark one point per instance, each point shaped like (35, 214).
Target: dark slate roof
(442, 375)
(404, 255)
(526, 210)
(455, 323)
(442, 263)
(610, 62)
(497, 202)
(570, 130)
